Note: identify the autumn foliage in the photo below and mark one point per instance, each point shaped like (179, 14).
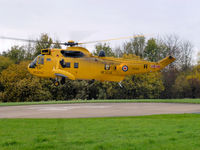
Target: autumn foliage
(179, 80)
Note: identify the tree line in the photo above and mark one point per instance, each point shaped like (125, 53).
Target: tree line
(180, 79)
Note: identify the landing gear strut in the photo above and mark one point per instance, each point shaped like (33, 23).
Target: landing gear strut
(57, 82)
(62, 81)
(120, 84)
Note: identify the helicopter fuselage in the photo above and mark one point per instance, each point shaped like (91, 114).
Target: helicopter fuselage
(77, 63)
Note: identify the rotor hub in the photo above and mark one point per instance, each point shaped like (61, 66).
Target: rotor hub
(70, 43)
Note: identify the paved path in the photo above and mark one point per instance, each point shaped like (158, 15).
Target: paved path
(95, 110)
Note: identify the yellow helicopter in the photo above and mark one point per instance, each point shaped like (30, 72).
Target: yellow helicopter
(77, 63)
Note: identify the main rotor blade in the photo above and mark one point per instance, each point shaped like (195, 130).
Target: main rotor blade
(17, 39)
(99, 41)
(25, 40)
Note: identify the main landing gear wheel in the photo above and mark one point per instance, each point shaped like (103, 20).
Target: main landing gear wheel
(56, 83)
(62, 81)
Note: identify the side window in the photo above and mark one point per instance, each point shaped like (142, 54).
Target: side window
(75, 65)
(107, 67)
(73, 54)
(48, 59)
(68, 65)
(64, 64)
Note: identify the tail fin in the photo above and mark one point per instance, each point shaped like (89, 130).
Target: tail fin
(166, 61)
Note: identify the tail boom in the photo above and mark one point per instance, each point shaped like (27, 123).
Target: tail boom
(166, 61)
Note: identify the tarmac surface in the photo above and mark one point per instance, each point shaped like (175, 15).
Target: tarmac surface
(87, 110)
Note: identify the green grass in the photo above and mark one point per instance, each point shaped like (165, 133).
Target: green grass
(156, 132)
(193, 101)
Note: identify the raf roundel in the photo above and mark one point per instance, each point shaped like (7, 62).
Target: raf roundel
(125, 68)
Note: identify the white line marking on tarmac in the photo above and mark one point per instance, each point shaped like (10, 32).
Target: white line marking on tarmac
(68, 108)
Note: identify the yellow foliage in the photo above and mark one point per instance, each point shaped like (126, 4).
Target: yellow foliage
(195, 73)
(14, 73)
(4, 62)
(198, 58)
(148, 85)
(20, 85)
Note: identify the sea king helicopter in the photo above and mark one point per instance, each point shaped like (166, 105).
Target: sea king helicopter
(77, 63)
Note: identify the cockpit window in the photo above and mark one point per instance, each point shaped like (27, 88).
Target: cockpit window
(33, 63)
(74, 54)
(41, 60)
(35, 60)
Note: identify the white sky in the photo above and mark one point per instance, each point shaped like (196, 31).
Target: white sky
(89, 20)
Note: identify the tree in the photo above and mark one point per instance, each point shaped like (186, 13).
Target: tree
(17, 84)
(187, 85)
(135, 46)
(30, 50)
(181, 87)
(198, 59)
(44, 42)
(180, 49)
(4, 62)
(105, 47)
(139, 45)
(186, 49)
(151, 51)
(16, 53)
(57, 45)
(20, 85)
(168, 78)
(118, 52)
(142, 86)
(172, 43)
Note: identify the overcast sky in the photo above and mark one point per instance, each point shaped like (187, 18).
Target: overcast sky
(89, 20)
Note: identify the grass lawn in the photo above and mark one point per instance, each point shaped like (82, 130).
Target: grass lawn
(193, 101)
(156, 132)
